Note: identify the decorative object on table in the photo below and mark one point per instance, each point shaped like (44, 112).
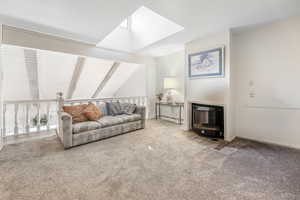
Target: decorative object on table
(43, 120)
(159, 97)
(207, 63)
(170, 84)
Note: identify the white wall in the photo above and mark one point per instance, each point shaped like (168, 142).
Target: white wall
(171, 65)
(135, 85)
(151, 68)
(1, 101)
(210, 90)
(142, 83)
(266, 60)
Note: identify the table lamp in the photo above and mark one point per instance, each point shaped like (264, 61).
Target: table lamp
(170, 83)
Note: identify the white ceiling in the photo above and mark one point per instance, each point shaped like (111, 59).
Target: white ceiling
(90, 21)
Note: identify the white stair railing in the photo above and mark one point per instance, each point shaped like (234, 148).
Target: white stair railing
(29, 116)
(138, 100)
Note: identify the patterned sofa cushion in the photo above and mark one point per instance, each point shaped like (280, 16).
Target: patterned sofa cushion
(129, 118)
(128, 108)
(110, 121)
(118, 119)
(114, 108)
(85, 126)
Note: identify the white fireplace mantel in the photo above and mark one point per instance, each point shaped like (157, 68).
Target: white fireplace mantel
(206, 103)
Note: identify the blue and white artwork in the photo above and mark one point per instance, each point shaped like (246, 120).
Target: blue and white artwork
(207, 63)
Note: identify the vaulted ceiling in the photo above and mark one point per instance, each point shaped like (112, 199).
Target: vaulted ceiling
(38, 74)
(90, 21)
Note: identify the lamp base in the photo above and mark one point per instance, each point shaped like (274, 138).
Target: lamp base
(169, 97)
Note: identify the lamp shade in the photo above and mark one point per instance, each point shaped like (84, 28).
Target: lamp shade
(170, 83)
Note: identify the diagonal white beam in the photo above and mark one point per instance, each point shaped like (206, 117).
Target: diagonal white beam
(109, 74)
(75, 77)
(31, 64)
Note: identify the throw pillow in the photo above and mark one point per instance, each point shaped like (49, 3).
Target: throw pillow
(103, 108)
(76, 112)
(92, 112)
(114, 108)
(128, 108)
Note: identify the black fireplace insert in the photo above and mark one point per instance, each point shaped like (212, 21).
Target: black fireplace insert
(208, 120)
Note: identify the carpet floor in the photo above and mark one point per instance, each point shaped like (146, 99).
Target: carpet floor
(161, 162)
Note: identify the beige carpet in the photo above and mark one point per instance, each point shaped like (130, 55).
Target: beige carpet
(158, 163)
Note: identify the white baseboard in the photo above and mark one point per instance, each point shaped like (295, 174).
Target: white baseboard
(270, 143)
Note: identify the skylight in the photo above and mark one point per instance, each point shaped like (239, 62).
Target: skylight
(124, 24)
(143, 28)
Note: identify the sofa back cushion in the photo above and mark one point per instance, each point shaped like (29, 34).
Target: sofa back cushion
(114, 108)
(76, 112)
(92, 112)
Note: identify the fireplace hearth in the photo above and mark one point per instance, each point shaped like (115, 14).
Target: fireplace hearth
(208, 120)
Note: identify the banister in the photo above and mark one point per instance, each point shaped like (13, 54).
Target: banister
(28, 101)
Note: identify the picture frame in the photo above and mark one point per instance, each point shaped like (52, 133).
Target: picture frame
(207, 64)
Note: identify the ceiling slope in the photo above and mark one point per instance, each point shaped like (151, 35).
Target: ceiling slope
(90, 21)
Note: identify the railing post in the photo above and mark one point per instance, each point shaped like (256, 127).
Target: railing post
(16, 129)
(60, 101)
(139, 101)
(27, 126)
(48, 116)
(4, 120)
(143, 101)
(38, 107)
(136, 100)
(147, 104)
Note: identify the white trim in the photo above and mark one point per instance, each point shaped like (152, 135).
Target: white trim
(107, 77)
(75, 76)
(29, 39)
(270, 143)
(272, 107)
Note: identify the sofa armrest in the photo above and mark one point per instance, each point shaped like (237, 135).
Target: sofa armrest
(65, 129)
(142, 111)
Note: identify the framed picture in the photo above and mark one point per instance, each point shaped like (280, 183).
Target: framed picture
(207, 63)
